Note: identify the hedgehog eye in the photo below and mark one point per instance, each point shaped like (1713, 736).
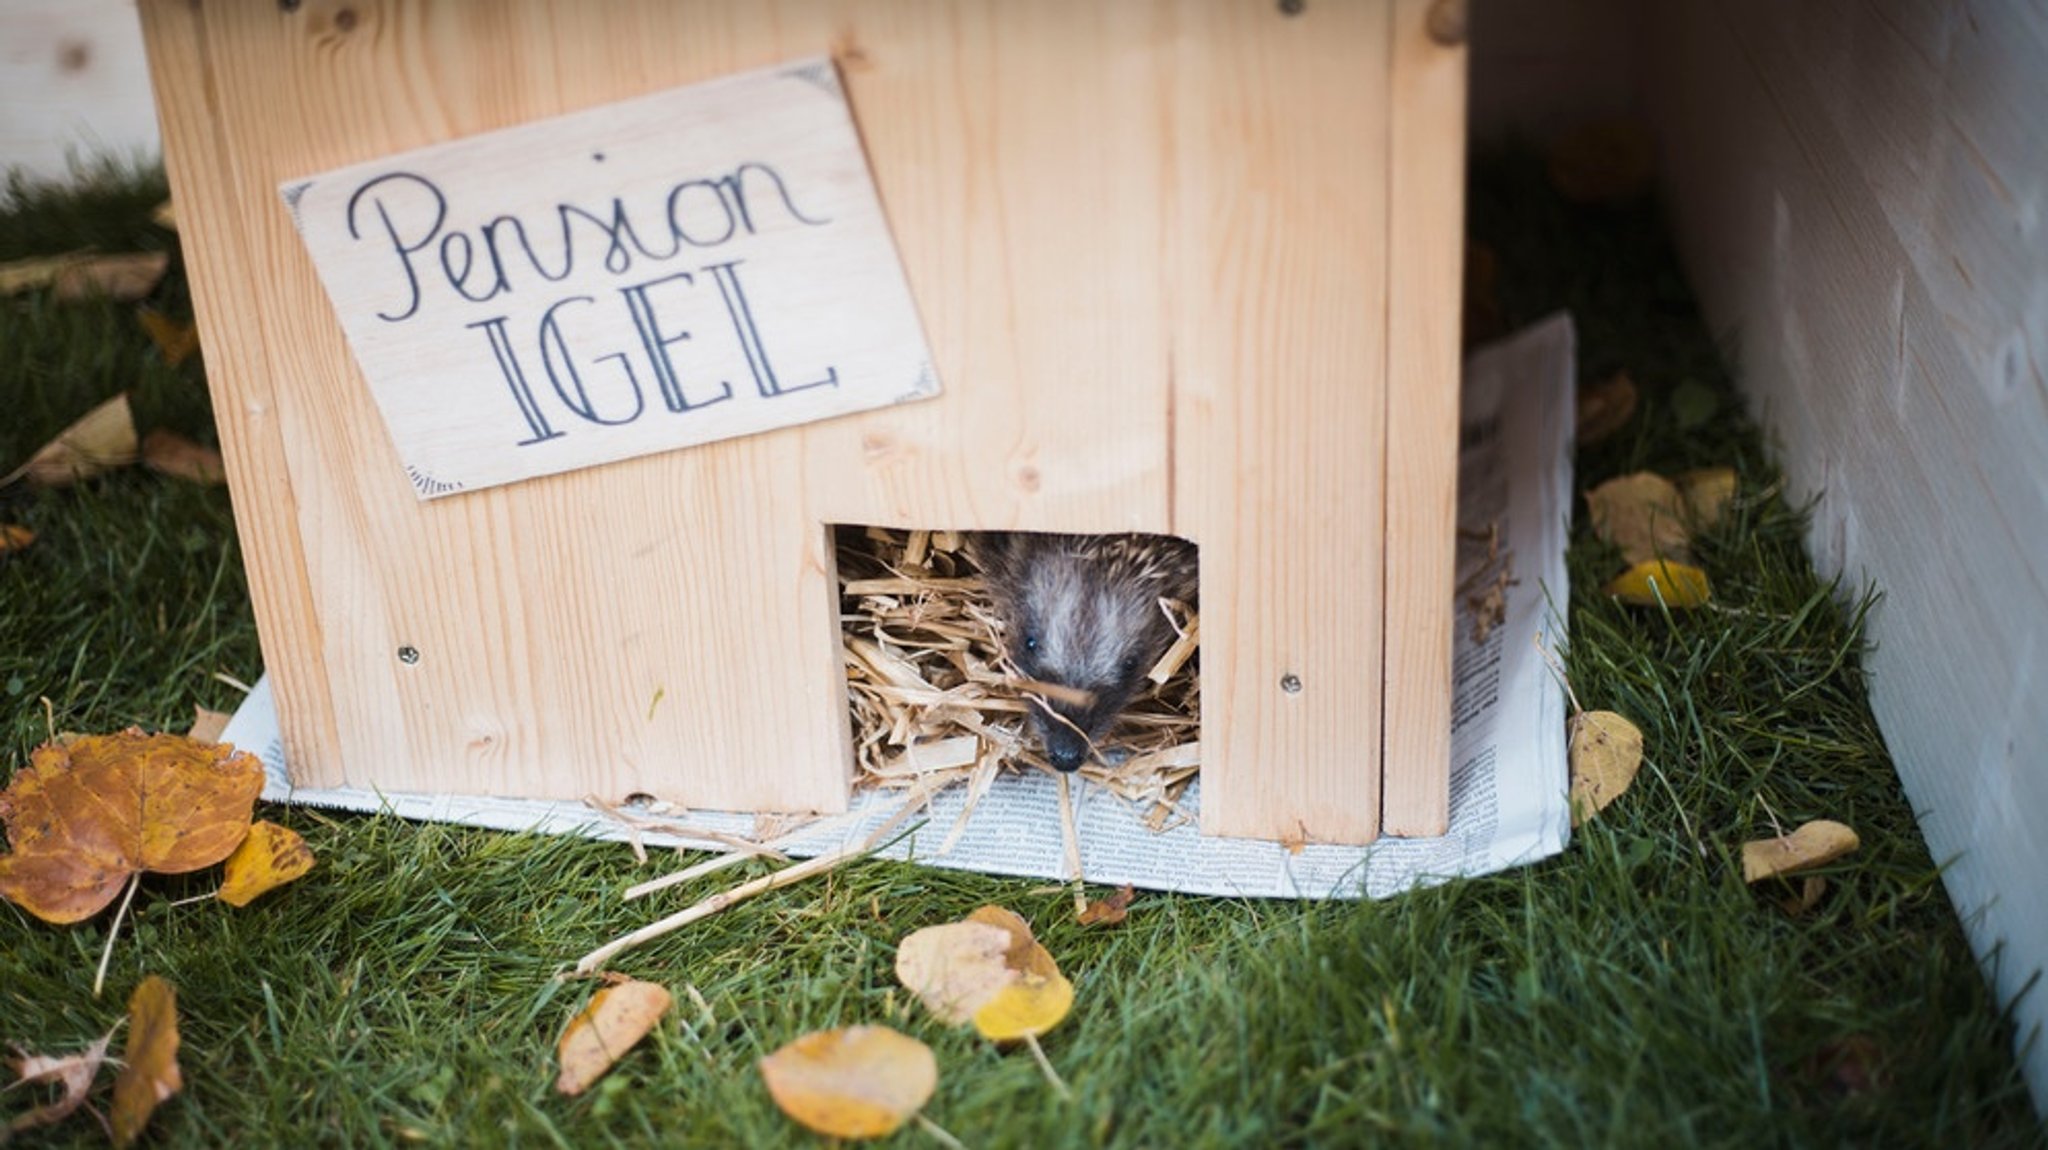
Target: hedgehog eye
(1031, 640)
(1130, 664)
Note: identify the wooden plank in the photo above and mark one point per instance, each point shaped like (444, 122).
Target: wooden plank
(1853, 187)
(574, 634)
(74, 85)
(1426, 241)
(1279, 258)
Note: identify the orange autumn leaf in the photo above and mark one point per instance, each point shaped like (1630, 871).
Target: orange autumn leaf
(151, 1074)
(268, 858)
(14, 537)
(1110, 909)
(85, 816)
(854, 1082)
(616, 1018)
(176, 341)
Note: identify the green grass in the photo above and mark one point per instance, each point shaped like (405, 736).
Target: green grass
(1631, 992)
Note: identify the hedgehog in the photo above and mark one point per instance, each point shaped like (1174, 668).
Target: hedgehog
(1083, 612)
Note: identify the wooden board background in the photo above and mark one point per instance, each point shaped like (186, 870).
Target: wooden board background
(1150, 244)
(1858, 191)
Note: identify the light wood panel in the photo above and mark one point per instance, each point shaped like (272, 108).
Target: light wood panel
(1857, 190)
(1150, 248)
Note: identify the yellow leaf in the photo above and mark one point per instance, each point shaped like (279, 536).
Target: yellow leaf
(1606, 750)
(1814, 844)
(268, 858)
(1030, 1006)
(84, 816)
(103, 438)
(168, 453)
(165, 215)
(1679, 584)
(955, 968)
(15, 538)
(174, 340)
(617, 1017)
(1642, 514)
(151, 1074)
(855, 1082)
(1706, 492)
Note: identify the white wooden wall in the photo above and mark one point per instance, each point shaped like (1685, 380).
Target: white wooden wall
(72, 81)
(1861, 192)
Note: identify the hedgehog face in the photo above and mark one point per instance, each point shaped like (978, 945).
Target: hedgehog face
(1082, 621)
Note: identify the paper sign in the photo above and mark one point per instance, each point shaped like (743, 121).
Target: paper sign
(671, 270)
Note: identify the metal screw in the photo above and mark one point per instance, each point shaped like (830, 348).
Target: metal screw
(1291, 683)
(408, 655)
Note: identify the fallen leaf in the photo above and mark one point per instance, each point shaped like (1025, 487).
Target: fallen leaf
(168, 453)
(1642, 514)
(103, 438)
(165, 215)
(1039, 996)
(955, 968)
(41, 271)
(124, 278)
(1110, 909)
(1605, 407)
(1706, 493)
(1813, 844)
(854, 1082)
(83, 817)
(151, 1075)
(1679, 584)
(207, 725)
(1692, 404)
(1849, 1067)
(1807, 898)
(617, 1017)
(1610, 163)
(74, 1072)
(1605, 750)
(15, 538)
(175, 341)
(269, 857)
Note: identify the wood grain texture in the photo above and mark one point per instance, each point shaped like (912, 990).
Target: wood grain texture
(73, 85)
(1427, 245)
(1280, 260)
(1149, 246)
(1857, 193)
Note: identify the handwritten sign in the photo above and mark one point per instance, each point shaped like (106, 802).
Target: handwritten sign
(667, 271)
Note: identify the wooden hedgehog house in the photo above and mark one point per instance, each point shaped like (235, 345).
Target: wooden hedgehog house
(537, 437)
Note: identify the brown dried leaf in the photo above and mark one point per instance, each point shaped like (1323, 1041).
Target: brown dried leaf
(83, 817)
(165, 215)
(1605, 750)
(104, 438)
(1813, 844)
(124, 278)
(1110, 909)
(74, 1072)
(174, 340)
(15, 538)
(168, 453)
(268, 858)
(1605, 408)
(1808, 897)
(151, 1075)
(617, 1017)
(207, 725)
(1678, 584)
(1642, 514)
(855, 1082)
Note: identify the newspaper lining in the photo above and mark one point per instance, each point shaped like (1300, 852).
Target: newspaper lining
(1508, 779)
